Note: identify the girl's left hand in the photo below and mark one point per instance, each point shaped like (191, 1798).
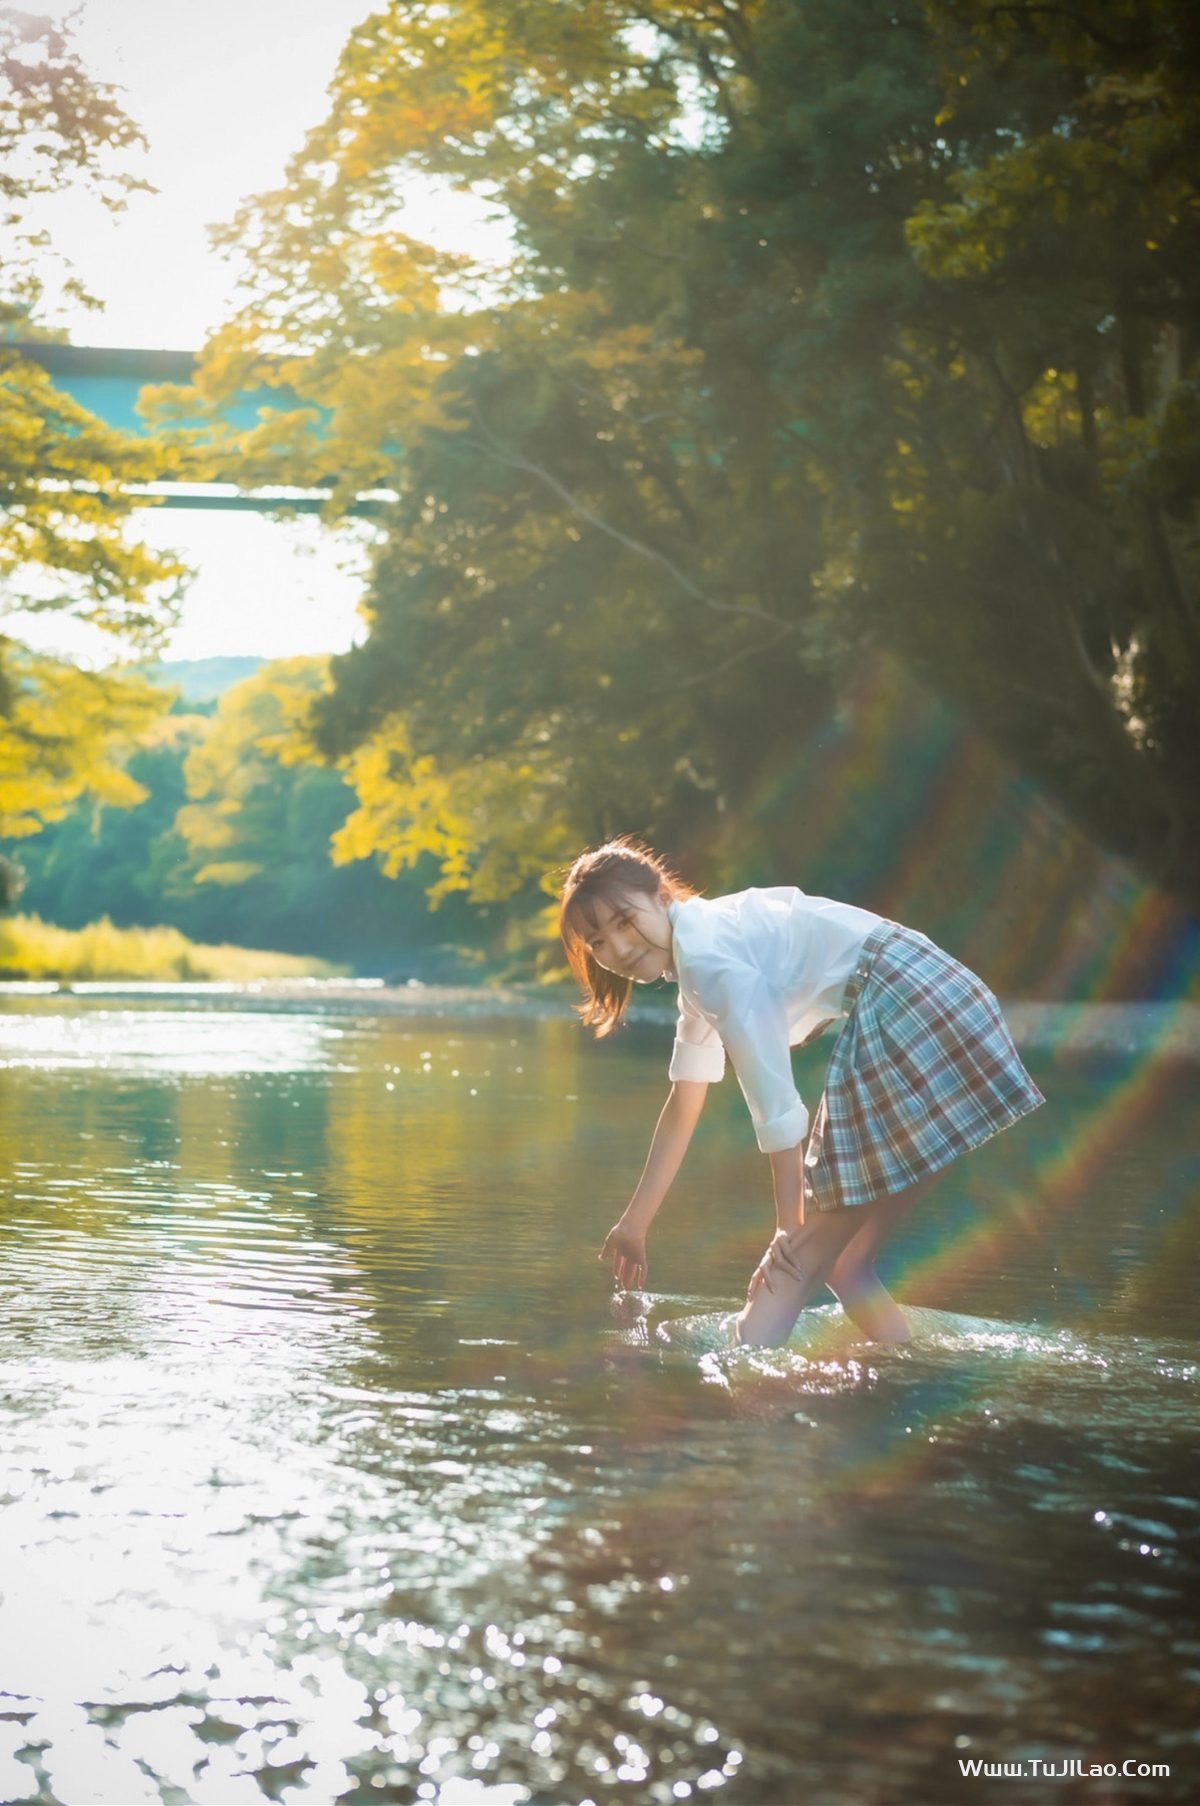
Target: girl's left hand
(780, 1257)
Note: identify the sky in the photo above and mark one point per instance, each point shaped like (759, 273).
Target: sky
(224, 91)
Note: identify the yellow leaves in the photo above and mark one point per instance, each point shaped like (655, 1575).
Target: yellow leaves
(368, 381)
(278, 701)
(420, 125)
(110, 785)
(958, 239)
(268, 707)
(65, 475)
(233, 359)
(65, 735)
(908, 484)
(261, 725)
(492, 826)
(386, 400)
(411, 81)
(207, 829)
(578, 323)
(1118, 163)
(173, 731)
(405, 269)
(492, 99)
(229, 871)
(406, 808)
(911, 373)
(1050, 409)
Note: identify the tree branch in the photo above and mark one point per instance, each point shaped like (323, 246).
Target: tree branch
(495, 447)
(735, 658)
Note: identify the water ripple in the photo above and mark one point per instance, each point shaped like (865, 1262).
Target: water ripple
(326, 1476)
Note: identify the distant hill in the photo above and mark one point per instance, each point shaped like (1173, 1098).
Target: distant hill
(203, 679)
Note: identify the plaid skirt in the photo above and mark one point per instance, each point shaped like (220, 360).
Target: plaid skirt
(924, 1069)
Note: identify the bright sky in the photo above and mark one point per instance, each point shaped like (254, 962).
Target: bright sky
(224, 91)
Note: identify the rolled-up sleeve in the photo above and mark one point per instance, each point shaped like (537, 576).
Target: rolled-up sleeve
(698, 1054)
(751, 1017)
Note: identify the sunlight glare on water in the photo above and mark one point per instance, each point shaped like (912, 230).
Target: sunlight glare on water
(157, 1041)
(332, 1473)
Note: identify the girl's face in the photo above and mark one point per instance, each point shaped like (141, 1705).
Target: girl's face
(633, 937)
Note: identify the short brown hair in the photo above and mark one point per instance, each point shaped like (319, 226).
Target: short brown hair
(608, 874)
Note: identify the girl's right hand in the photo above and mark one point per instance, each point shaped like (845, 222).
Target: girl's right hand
(780, 1258)
(626, 1249)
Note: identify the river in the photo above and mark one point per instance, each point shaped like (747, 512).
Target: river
(332, 1471)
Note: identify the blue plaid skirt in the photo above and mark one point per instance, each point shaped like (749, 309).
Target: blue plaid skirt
(924, 1069)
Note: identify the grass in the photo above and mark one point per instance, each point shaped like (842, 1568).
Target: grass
(33, 949)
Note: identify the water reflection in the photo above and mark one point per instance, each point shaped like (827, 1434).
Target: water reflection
(331, 1476)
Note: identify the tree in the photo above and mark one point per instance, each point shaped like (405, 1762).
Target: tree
(12, 882)
(829, 329)
(64, 475)
(235, 772)
(1069, 326)
(257, 829)
(64, 734)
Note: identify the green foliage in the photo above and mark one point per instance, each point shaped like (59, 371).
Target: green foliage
(234, 773)
(121, 862)
(830, 328)
(228, 791)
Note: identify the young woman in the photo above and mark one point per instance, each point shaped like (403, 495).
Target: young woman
(922, 1070)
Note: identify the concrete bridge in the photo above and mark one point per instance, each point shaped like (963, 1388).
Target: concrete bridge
(108, 382)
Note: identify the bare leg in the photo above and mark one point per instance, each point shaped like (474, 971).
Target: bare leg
(838, 1249)
(853, 1279)
(769, 1316)
(871, 1307)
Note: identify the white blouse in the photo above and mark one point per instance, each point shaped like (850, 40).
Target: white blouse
(758, 972)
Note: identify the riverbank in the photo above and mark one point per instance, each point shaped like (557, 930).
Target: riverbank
(1071, 1028)
(35, 951)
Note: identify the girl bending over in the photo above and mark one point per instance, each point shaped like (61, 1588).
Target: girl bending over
(923, 1067)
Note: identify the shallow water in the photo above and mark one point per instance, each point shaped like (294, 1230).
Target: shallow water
(332, 1472)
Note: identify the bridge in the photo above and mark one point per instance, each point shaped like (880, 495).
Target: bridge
(109, 382)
